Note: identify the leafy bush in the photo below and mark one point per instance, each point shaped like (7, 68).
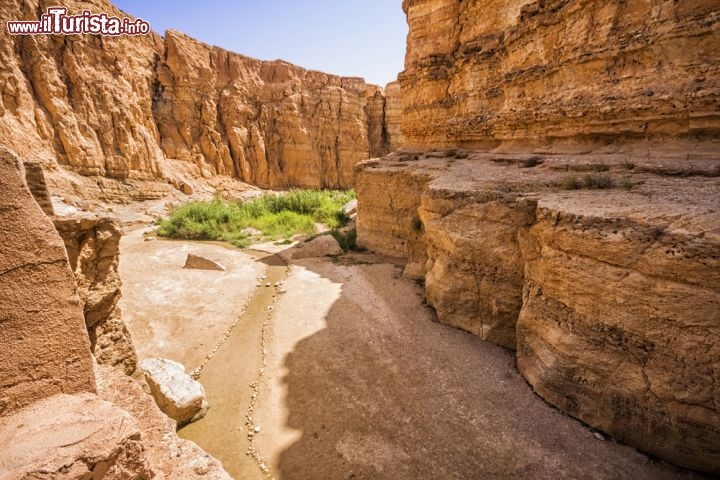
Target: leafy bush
(277, 216)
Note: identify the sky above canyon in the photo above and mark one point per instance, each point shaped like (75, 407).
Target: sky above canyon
(361, 38)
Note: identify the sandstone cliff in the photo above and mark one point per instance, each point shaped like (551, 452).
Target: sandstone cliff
(559, 74)
(598, 265)
(38, 296)
(147, 108)
(610, 296)
(62, 416)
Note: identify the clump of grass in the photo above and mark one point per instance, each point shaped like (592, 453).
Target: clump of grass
(598, 181)
(588, 181)
(347, 240)
(571, 182)
(277, 216)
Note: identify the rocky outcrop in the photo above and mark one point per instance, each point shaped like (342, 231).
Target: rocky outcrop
(38, 296)
(175, 110)
(177, 394)
(322, 246)
(202, 263)
(83, 438)
(609, 295)
(393, 116)
(559, 75)
(93, 247)
(61, 416)
(169, 456)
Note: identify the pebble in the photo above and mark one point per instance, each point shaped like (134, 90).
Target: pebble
(257, 429)
(267, 284)
(598, 436)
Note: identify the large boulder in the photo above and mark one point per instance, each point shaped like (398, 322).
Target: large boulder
(322, 246)
(176, 393)
(72, 437)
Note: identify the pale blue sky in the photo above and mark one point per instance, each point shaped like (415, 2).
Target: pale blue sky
(363, 38)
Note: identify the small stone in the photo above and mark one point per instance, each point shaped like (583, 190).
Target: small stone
(598, 436)
(257, 429)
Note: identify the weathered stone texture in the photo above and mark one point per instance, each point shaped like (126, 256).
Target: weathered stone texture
(131, 107)
(38, 296)
(559, 74)
(609, 296)
(93, 247)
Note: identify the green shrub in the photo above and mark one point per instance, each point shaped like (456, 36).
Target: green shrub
(277, 216)
(347, 241)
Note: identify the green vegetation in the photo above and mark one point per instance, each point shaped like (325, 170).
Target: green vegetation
(276, 216)
(588, 181)
(346, 240)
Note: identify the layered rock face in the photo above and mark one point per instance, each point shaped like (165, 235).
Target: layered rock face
(147, 108)
(93, 248)
(271, 124)
(82, 101)
(60, 417)
(610, 296)
(559, 74)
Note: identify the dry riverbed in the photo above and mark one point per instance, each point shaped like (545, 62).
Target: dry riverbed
(342, 372)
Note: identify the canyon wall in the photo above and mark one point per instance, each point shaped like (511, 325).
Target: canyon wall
(38, 295)
(608, 295)
(559, 74)
(168, 109)
(557, 194)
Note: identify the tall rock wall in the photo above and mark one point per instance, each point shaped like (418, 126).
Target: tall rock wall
(610, 296)
(126, 107)
(568, 75)
(38, 296)
(271, 124)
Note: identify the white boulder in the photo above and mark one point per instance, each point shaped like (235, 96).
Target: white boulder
(176, 393)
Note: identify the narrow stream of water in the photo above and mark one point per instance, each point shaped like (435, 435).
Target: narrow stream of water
(231, 378)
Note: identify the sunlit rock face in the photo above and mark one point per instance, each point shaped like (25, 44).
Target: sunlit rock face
(125, 107)
(563, 75)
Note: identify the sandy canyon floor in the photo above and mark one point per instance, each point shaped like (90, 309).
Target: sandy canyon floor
(345, 374)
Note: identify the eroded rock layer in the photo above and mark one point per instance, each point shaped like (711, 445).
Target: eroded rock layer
(38, 296)
(93, 247)
(601, 270)
(559, 74)
(148, 108)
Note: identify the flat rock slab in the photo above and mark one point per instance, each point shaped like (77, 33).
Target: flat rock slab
(202, 263)
(176, 393)
(70, 437)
